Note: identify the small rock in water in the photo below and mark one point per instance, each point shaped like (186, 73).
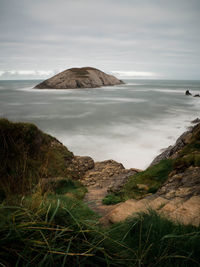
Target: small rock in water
(187, 92)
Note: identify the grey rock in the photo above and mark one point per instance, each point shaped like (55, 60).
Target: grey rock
(184, 185)
(172, 151)
(187, 92)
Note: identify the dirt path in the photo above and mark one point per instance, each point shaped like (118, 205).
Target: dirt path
(100, 179)
(93, 199)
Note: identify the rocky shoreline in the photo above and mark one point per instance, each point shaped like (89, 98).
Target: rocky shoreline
(178, 198)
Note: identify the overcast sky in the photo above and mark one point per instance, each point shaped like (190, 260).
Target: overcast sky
(130, 38)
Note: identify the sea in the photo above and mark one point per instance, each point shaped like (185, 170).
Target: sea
(130, 123)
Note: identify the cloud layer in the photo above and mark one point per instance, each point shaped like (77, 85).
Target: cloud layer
(156, 37)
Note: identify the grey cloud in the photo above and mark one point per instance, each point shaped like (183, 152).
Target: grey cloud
(155, 36)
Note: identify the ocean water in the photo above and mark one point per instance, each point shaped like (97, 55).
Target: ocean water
(129, 123)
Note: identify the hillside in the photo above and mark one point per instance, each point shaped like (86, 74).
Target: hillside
(28, 157)
(76, 78)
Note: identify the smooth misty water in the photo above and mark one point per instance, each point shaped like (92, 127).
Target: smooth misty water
(129, 123)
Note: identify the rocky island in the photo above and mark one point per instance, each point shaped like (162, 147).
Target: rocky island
(75, 78)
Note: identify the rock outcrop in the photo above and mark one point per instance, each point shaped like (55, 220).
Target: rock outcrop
(179, 210)
(105, 177)
(179, 197)
(182, 141)
(77, 78)
(109, 174)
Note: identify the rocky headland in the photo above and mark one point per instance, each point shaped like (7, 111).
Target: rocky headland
(76, 78)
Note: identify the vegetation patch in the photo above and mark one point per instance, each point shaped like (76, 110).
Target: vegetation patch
(68, 187)
(148, 181)
(59, 231)
(186, 161)
(111, 199)
(190, 155)
(27, 154)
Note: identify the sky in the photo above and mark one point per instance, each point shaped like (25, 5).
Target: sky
(147, 39)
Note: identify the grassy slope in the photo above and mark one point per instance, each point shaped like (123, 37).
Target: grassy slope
(142, 184)
(27, 154)
(60, 231)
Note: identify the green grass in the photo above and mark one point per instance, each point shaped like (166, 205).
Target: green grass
(146, 182)
(62, 231)
(111, 199)
(186, 161)
(69, 187)
(190, 155)
(45, 232)
(151, 240)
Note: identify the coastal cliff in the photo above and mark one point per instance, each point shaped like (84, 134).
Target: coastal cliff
(75, 78)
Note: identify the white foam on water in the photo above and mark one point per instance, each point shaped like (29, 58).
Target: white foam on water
(44, 91)
(103, 100)
(32, 103)
(177, 91)
(135, 84)
(135, 146)
(57, 116)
